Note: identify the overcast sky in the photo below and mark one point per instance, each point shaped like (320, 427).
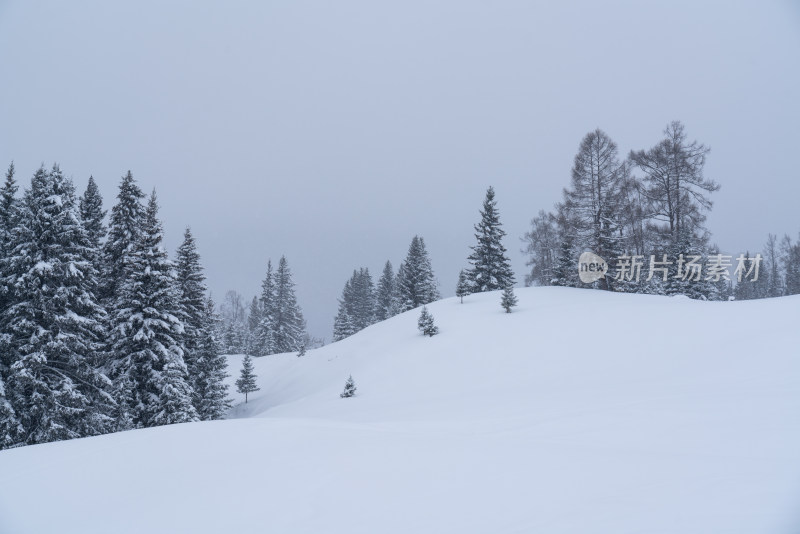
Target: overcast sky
(332, 132)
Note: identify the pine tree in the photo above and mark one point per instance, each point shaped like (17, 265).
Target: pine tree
(193, 313)
(124, 229)
(8, 209)
(247, 379)
(302, 351)
(385, 296)
(462, 288)
(92, 214)
(349, 388)
(343, 324)
(491, 268)
(266, 329)
(52, 324)
(509, 299)
(11, 430)
(147, 332)
(211, 391)
(288, 323)
(254, 316)
(425, 323)
(416, 283)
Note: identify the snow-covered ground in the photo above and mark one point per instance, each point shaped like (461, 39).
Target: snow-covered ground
(581, 412)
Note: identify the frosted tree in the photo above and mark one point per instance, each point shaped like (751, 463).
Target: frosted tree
(416, 283)
(233, 324)
(509, 299)
(8, 205)
(52, 323)
(147, 335)
(349, 388)
(266, 328)
(343, 324)
(254, 315)
(193, 313)
(246, 383)
(356, 305)
(289, 327)
(123, 231)
(11, 430)
(210, 390)
(542, 247)
(491, 268)
(425, 323)
(385, 294)
(92, 215)
(463, 286)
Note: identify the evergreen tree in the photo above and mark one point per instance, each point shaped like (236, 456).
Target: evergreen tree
(349, 388)
(247, 379)
(343, 324)
(302, 351)
(416, 283)
(193, 313)
(124, 229)
(509, 299)
(92, 215)
(211, 391)
(463, 286)
(11, 431)
(253, 321)
(266, 329)
(385, 296)
(288, 323)
(425, 323)
(52, 323)
(8, 205)
(491, 268)
(147, 333)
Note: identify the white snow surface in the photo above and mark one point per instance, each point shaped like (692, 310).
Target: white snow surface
(581, 412)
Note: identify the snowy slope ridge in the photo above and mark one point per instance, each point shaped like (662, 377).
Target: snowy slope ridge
(580, 412)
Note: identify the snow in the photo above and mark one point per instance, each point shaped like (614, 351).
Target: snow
(579, 412)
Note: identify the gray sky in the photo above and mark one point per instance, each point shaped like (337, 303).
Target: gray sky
(332, 132)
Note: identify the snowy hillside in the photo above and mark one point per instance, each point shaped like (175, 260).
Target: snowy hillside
(581, 412)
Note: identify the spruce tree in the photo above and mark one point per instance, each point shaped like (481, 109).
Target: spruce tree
(462, 288)
(192, 304)
(8, 205)
(425, 323)
(147, 333)
(246, 383)
(253, 322)
(266, 330)
(52, 323)
(349, 388)
(211, 391)
(92, 214)
(11, 431)
(288, 323)
(385, 294)
(416, 283)
(491, 268)
(123, 231)
(509, 299)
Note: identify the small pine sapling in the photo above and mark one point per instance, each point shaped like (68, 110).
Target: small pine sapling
(462, 289)
(509, 299)
(425, 323)
(247, 380)
(302, 351)
(349, 388)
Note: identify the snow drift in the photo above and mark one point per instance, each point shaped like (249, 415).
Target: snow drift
(580, 412)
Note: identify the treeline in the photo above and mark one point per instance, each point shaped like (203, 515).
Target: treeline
(273, 323)
(652, 203)
(363, 303)
(99, 330)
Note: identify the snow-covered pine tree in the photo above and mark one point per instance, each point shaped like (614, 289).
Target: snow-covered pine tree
(246, 383)
(349, 388)
(342, 324)
(491, 268)
(253, 322)
(385, 295)
(8, 205)
(148, 330)
(289, 327)
(192, 304)
(92, 215)
(123, 230)
(463, 286)
(416, 283)
(52, 323)
(425, 323)
(364, 305)
(509, 299)
(266, 329)
(211, 391)
(11, 430)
